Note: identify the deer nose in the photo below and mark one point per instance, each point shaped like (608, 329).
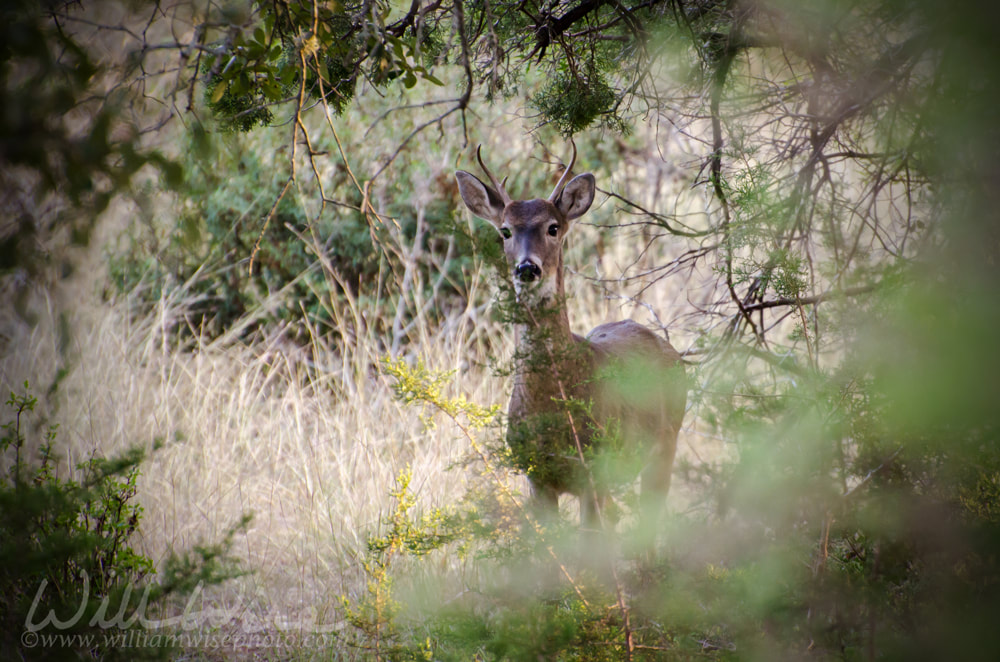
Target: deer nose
(527, 271)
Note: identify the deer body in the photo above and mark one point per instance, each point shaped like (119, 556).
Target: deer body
(570, 391)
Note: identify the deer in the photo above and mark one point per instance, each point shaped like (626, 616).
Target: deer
(571, 392)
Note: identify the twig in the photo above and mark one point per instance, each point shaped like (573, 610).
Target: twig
(818, 298)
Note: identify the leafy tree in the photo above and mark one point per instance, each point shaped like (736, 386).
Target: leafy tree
(67, 145)
(822, 166)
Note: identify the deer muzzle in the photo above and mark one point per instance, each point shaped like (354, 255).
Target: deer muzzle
(527, 271)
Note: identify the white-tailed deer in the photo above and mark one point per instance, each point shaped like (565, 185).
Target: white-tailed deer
(621, 382)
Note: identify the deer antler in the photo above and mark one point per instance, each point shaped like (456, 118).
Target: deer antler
(562, 180)
(501, 187)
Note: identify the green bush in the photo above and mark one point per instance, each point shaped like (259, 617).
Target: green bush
(72, 585)
(839, 531)
(221, 229)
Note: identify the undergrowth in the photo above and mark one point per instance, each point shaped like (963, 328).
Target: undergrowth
(839, 576)
(72, 583)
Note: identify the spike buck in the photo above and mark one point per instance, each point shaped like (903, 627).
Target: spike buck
(622, 383)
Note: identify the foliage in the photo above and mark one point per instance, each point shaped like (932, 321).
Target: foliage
(59, 136)
(534, 593)
(374, 616)
(78, 115)
(215, 240)
(417, 384)
(575, 102)
(72, 582)
(811, 565)
(291, 49)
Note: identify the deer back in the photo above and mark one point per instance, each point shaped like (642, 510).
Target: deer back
(640, 381)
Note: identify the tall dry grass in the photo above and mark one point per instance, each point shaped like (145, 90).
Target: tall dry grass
(310, 450)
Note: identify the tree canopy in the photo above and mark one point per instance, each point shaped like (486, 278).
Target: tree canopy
(826, 126)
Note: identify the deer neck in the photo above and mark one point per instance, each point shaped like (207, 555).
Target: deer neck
(544, 344)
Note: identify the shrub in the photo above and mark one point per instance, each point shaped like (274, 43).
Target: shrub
(68, 570)
(231, 253)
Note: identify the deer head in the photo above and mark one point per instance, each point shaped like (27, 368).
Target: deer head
(532, 230)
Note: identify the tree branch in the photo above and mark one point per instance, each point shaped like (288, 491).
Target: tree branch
(818, 298)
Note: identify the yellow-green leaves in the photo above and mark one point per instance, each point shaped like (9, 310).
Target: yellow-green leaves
(417, 384)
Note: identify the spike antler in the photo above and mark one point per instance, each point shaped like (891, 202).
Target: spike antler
(501, 187)
(562, 180)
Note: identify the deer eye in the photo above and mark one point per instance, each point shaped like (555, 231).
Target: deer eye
(505, 232)
(553, 230)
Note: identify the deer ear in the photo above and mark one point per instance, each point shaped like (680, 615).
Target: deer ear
(577, 196)
(481, 200)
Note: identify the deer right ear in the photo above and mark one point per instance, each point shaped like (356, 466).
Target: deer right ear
(576, 198)
(481, 200)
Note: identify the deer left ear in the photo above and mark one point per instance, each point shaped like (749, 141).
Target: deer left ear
(481, 200)
(577, 196)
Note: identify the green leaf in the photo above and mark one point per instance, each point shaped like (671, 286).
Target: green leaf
(173, 173)
(287, 74)
(271, 89)
(240, 84)
(433, 79)
(397, 48)
(219, 91)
